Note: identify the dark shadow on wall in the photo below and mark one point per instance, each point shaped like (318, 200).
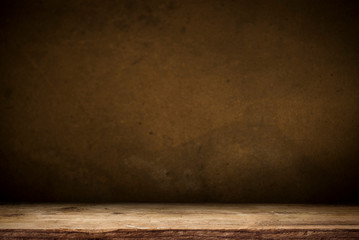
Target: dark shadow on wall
(179, 101)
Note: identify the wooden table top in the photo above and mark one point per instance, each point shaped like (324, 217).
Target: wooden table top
(230, 218)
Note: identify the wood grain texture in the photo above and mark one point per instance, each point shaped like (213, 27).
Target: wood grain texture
(181, 234)
(174, 221)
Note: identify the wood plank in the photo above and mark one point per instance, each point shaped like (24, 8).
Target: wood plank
(180, 221)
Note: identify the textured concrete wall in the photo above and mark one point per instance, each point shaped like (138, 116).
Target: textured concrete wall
(230, 101)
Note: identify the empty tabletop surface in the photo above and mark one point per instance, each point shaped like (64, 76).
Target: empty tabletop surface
(96, 217)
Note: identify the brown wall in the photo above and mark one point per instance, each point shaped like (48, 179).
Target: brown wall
(185, 101)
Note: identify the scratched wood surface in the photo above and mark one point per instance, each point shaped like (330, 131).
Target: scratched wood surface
(179, 221)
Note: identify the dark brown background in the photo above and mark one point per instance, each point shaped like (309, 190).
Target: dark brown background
(180, 101)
